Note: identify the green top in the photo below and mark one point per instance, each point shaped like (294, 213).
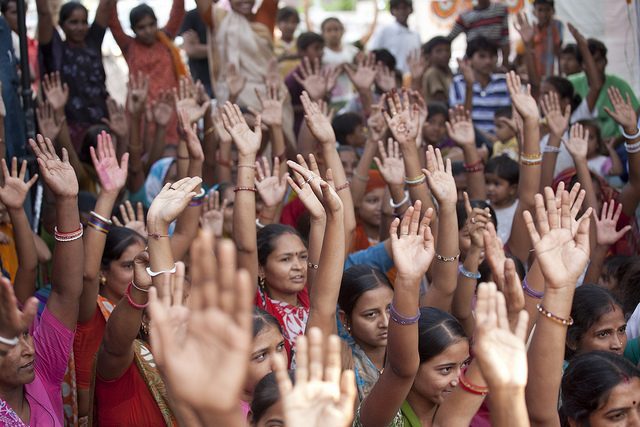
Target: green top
(404, 418)
(608, 127)
(632, 351)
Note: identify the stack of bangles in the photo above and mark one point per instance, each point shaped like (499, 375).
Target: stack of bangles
(474, 167)
(528, 159)
(551, 149)
(631, 148)
(400, 319)
(68, 237)
(131, 302)
(531, 292)
(198, 200)
(415, 181)
(99, 223)
(470, 387)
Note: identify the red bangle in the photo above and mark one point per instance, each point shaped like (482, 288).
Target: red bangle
(474, 167)
(343, 186)
(236, 189)
(132, 303)
(472, 388)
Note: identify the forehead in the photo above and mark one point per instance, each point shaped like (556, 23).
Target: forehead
(374, 298)
(614, 318)
(288, 242)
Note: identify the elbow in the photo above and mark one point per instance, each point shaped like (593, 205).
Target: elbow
(405, 371)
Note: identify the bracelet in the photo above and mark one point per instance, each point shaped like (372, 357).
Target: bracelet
(531, 156)
(157, 236)
(259, 224)
(209, 131)
(100, 217)
(236, 189)
(183, 157)
(68, 237)
(132, 303)
(472, 388)
(194, 203)
(473, 169)
(343, 186)
(360, 177)
(10, 341)
(399, 318)
(157, 273)
(415, 180)
(99, 224)
(531, 292)
(400, 203)
(632, 148)
(97, 227)
(626, 135)
(525, 162)
(247, 166)
(132, 283)
(447, 258)
(312, 265)
(564, 322)
(468, 274)
(551, 149)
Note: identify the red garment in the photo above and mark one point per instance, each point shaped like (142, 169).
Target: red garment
(126, 401)
(85, 347)
(292, 212)
(361, 240)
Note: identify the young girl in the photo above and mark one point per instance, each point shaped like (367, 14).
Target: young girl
(602, 157)
(502, 175)
(370, 213)
(337, 54)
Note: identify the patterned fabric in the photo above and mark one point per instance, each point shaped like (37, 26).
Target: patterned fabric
(8, 418)
(547, 42)
(492, 23)
(70, 393)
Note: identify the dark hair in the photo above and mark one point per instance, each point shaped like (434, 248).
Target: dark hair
(628, 290)
(595, 46)
(68, 8)
(587, 383)
(565, 90)
(397, 3)
(504, 112)
(543, 2)
(118, 240)
(481, 44)
(570, 49)
(457, 166)
(462, 212)
(437, 330)
(265, 395)
(307, 39)
(267, 237)
(90, 139)
(345, 124)
(261, 319)
(614, 267)
(433, 43)
(140, 12)
(386, 57)
(330, 19)
(504, 167)
(4, 5)
(284, 13)
(436, 108)
(86, 201)
(356, 281)
(590, 303)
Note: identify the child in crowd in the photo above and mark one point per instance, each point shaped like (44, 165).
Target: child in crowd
(437, 79)
(434, 131)
(506, 143)
(548, 37)
(350, 130)
(502, 174)
(287, 21)
(349, 158)
(569, 63)
(602, 157)
(338, 54)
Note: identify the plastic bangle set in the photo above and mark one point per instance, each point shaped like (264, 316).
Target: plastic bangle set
(564, 322)
(415, 180)
(132, 303)
(138, 287)
(157, 273)
(474, 167)
(236, 189)
(198, 200)
(630, 137)
(99, 223)
(551, 149)
(529, 159)
(343, 186)
(400, 319)
(67, 237)
(400, 203)
(447, 258)
(472, 388)
(10, 341)
(312, 265)
(633, 148)
(468, 274)
(531, 292)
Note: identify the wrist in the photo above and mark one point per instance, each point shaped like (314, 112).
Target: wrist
(446, 207)
(157, 226)
(246, 159)
(67, 199)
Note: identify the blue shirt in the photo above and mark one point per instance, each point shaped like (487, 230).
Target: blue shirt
(375, 256)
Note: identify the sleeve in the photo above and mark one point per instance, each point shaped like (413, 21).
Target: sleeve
(266, 14)
(123, 40)
(96, 36)
(175, 18)
(51, 54)
(375, 40)
(52, 341)
(375, 256)
(458, 28)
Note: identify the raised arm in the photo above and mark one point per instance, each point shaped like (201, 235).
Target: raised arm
(103, 12)
(589, 65)
(558, 122)
(124, 40)
(526, 31)
(460, 130)
(46, 25)
(577, 146)
(362, 76)
(176, 15)
(137, 90)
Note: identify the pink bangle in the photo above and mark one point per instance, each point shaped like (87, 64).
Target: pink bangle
(132, 302)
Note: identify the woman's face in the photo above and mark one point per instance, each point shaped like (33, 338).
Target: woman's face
(120, 271)
(272, 417)
(438, 377)
(369, 320)
(146, 30)
(434, 129)
(286, 268)
(608, 333)
(76, 26)
(17, 366)
(370, 210)
(243, 7)
(622, 408)
(268, 343)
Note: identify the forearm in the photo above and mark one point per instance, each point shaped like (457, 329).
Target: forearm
(468, 96)
(460, 407)
(223, 165)
(136, 172)
(475, 175)
(529, 180)
(25, 279)
(278, 147)
(45, 21)
(508, 407)
(617, 168)
(64, 140)
(157, 148)
(209, 148)
(316, 240)
(244, 218)
(413, 169)
(188, 221)
(196, 50)
(549, 160)
(402, 345)
(103, 12)
(465, 290)
(366, 99)
(182, 160)
(444, 274)
(176, 15)
(532, 70)
(333, 162)
(586, 184)
(361, 174)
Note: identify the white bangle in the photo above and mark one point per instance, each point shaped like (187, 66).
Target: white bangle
(259, 224)
(157, 273)
(630, 136)
(551, 149)
(10, 341)
(632, 148)
(402, 202)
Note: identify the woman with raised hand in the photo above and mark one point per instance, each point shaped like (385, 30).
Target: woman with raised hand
(35, 354)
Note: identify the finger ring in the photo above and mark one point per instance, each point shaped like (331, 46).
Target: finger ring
(473, 220)
(311, 178)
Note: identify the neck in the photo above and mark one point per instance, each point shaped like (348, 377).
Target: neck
(372, 231)
(505, 204)
(287, 39)
(291, 299)
(404, 24)
(335, 47)
(483, 79)
(15, 398)
(375, 354)
(423, 408)
(109, 294)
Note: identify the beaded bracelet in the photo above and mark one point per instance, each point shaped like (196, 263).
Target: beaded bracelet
(343, 186)
(132, 303)
(400, 319)
(472, 388)
(157, 273)
(549, 315)
(236, 189)
(400, 203)
(447, 258)
(68, 237)
(468, 274)
(531, 292)
(551, 149)
(10, 341)
(312, 265)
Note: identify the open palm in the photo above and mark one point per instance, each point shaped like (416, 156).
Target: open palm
(112, 176)
(15, 190)
(440, 177)
(247, 141)
(413, 250)
(173, 199)
(57, 173)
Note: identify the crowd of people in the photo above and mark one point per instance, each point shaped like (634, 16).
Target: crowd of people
(291, 229)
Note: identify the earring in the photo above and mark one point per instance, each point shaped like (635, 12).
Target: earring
(103, 280)
(261, 282)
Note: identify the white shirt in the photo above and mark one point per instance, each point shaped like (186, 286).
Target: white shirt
(343, 90)
(504, 216)
(399, 40)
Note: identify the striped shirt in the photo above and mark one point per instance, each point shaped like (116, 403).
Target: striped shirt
(486, 100)
(492, 23)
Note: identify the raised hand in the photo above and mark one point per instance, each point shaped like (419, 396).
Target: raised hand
(117, 120)
(440, 177)
(248, 142)
(562, 256)
(606, 233)
(138, 90)
(464, 68)
(317, 121)
(385, 78)
(417, 65)
(303, 181)
(130, 219)
(270, 186)
(523, 27)
(577, 35)
(57, 173)
(13, 321)
(501, 352)
(172, 200)
(323, 394)
(162, 108)
(14, 191)
(414, 249)
(56, 92)
(210, 356)
(271, 106)
(557, 120)
(49, 123)
(577, 144)
(477, 221)
(404, 119)
(171, 292)
(186, 99)
(312, 78)
(212, 217)
(623, 112)
(189, 133)
(235, 82)
(112, 176)
(273, 77)
(222, 133)
(521, 98)
(494, 252)
(364, 74)
(390, 163)
(460, 127)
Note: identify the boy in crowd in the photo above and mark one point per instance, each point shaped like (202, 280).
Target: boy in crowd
(569, 60)
(397, 37)
(350, 130)
(287, 21)
(437, 79)
(478, 88)
(547, 38)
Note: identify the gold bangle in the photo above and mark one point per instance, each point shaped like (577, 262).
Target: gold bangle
(530, 156)
(530, 162)
(209, 131)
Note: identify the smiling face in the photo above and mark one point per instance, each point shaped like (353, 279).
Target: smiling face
(17, 366)
(369, 320)
(76, 26)
(621, 409)
(285, 272)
